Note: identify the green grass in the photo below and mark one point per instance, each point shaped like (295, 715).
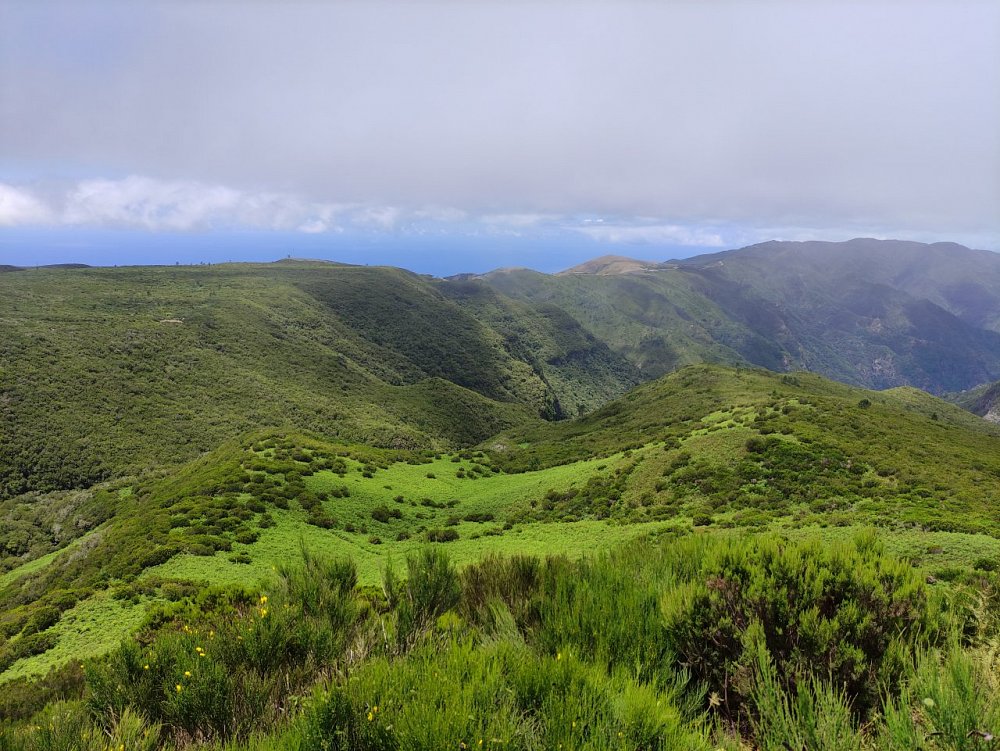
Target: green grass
(501, 495)
(731, 452)
(85, 631)
(691, 642)
(30, 567)
(282, 544)
(935, 552)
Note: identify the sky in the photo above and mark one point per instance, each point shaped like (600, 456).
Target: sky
(463, 136)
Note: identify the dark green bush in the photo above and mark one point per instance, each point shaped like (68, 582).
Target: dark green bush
(847, 613)
(42, 618)
(442, 535)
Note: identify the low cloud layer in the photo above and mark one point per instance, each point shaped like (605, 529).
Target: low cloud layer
(177, 206)
(668, 120)
(188, 207)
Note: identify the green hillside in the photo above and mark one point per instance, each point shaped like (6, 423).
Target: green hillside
(655, 319)
(708, 446)
(105, 372)
(963, 281)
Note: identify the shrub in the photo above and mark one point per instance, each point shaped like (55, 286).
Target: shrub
(480, 518)
(442, 535)
(702, 519)
(319, 517)
(42, 618)
(222, 680)
(846, 613)
(384, 514)
(430, 589)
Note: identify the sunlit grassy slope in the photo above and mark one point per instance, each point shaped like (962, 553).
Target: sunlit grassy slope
(716, 450)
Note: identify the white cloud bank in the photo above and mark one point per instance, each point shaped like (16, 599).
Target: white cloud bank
(653, 234)
(147, 204)
(137, 202)
(19, 207)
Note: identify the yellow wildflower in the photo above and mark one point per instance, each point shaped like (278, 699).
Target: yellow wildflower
(370, 717)
(187, 673)
(145, 667)
(179, 688)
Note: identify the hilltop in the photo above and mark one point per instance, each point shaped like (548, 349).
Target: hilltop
(607, 265)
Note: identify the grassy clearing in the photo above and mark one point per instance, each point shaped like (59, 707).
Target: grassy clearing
(282, 545)
(27, 568)
(85, 631)
(441, 501)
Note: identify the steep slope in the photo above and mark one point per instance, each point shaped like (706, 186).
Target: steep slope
(658, 321)
(871, 313)
(963, 281)
(983, 401)
(852, 329)
(581, 370)
(108, 371)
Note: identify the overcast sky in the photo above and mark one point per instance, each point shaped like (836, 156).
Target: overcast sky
(524, 132)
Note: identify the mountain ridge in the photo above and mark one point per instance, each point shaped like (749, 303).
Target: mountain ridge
(870, 312)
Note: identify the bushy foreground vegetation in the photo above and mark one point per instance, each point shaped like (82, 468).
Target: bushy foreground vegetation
(695, 642)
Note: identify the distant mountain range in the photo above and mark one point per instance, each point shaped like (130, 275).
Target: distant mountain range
(875, 313)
